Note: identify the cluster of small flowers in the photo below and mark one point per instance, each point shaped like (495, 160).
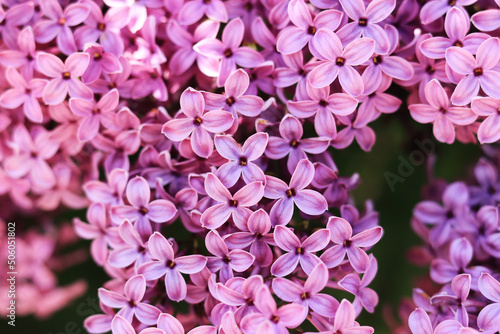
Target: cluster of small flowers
(462, 247)
(30, 262)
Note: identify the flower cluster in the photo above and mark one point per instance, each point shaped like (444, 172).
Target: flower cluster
(462, 232)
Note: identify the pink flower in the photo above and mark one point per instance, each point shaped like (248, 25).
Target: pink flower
(24, 93)
(339, 61)
(308, 201)
(235, 206)
(121, 326)
(435, 9)
(198, 122)
(59, 23)
(193, 11)
(441, 113)
(309, 294)
(100, 62)
(346, 243)
(170, 266)
(489, 130)
(24, 55)
(64, 77)
(240, 159)
(294, 39)
(130, 303)
(131, 249)
(478, 72)
(94, 114)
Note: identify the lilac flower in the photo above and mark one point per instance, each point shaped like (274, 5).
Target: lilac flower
(185, 55)
(100, 62)
(478, 72)
(435, 9)
(59, 23)
(308, 295)
(24, 93)
(107, 193)
(235, 206)
(487, 20)
(24, 55)
(460, 287)
(198, 123)
(487, 176)
(323, 106)
(376, 103)
(366, 21)
(240, 159)
(228, 51)
(64, 77)
(489, 131)
(257, 237)
(294, 39)
(339, 61)
(344, 321)
(94, 114)
(33, 151)
(16, 16)
(132, 250)
(291, 143)
(298, 252)
(364, 296)
(105, 28)
(130, 303)
(346, 243)
(267, 40)
(121, 326)
(98, 231)
(295, 72)
(168, 324)
(226, 261)
(308, 201)
(456, 25)
(141, 210)
(488, 320)
(440, 112)
(193, 11)
(272, 319)
(170, 266)
(240, 294)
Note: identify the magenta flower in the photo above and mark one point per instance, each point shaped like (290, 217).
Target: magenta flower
(64, 77)
(489, 130)
(193, 11)
(440, 112)
(24, 93)
(457, 300)
(105, 28)
(16, 16)
(185, 56)
(344, 321)
(94, 114)
(132, 250)
(456, 25)
(235, 206)
(294, 39)
(170, 266)
(100, 62)
(339, 61)
(346, 243)
(226, 261)
(98, 231)
(272, 319)
(169, 325)
(130, 303)
(197, 122)
(323, 106)
(298, 252)
(291, 143)
(487, 20)
(376, 103)
(489, 317)
(308, 295)
(435, 9)
(141, 210)
(478, 72)
(240, 293)
(366, 22)
(110, 192)
(33, 151)
(228, 51)
(257, 237)
(121, 326)
(295, 72)
(240, 159)
(308, 201)
(363, 296)
(24, 55)
(59, 23)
